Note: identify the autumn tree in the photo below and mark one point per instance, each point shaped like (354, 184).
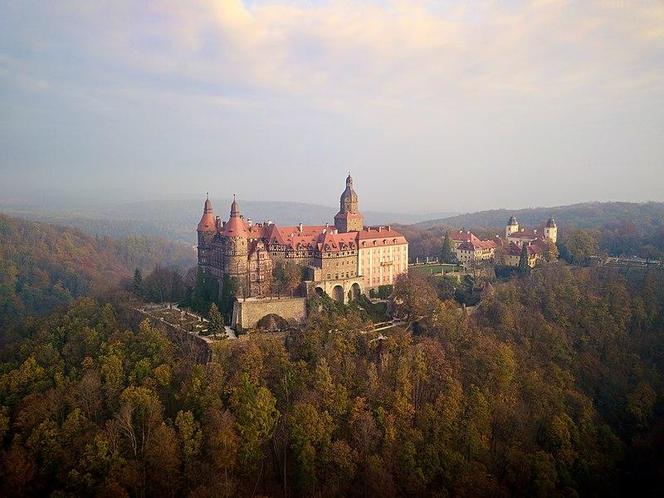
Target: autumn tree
(287, 277)
(550, 251)
(581, 245)
(413, 297)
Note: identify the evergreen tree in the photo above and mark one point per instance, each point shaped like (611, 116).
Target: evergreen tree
(228, 292)
(446, 253)
(216, 323)
(524, 267)
(204, 293)
(138, 282)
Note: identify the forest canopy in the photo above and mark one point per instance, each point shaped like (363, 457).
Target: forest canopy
(552, 387)
(43, 266)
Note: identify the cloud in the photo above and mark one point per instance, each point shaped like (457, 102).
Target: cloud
(524, 86)
(405, 51)
(340, 54)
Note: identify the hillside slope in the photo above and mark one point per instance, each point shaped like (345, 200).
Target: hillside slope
(585, 215)
(43, 266)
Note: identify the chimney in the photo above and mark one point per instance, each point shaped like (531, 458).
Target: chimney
(249, 222)
(300, 227)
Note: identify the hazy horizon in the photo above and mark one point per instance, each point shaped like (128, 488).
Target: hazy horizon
(433, 106)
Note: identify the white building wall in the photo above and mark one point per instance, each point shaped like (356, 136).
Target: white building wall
(380, 265)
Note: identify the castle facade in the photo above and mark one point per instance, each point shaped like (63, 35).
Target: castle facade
(342, 260)
(536, 241)
(468, 248)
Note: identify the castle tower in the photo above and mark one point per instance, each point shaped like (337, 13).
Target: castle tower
(349, 219)
(512, 226)
(206, 230)
(551, 230)
(236, 243)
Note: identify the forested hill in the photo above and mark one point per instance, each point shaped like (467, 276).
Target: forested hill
(42, 266)
(586, 215)
(553, 387)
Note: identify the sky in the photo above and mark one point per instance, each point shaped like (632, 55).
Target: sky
(432, 105)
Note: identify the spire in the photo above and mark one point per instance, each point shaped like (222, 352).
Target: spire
(207, 207)
(235, 208)
(236, 226)
(208, 221)
(349, 180)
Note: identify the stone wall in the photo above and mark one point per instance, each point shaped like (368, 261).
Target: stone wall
(188, 344)
(247, 312)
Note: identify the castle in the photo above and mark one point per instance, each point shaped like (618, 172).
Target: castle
(342, 260)
(468, 248)
(535, 240)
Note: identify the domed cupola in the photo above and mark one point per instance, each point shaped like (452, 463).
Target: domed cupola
(551, 223)
(349, 219)
(512, 221)
(349, 201)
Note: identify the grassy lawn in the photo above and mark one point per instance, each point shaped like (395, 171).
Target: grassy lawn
(178, 319)
(434, 268)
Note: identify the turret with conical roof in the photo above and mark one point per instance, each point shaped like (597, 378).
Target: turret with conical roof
(235, 237)
(206, 230)
(349, 219)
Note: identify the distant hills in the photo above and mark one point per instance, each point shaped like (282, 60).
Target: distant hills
(590, 215)
(177, 219)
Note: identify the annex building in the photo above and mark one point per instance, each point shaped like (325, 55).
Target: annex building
(343, 260)
(468, 248)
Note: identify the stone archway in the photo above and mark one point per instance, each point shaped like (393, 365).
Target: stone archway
(338, 294)
(355, 291)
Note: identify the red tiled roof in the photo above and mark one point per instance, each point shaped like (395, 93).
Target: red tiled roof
(335, 242)
(461, 235)
(515, 249)
(208, 223)
(525, 234)
(236, 227)
(477, 245)
(379, 236)
(470, 242)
